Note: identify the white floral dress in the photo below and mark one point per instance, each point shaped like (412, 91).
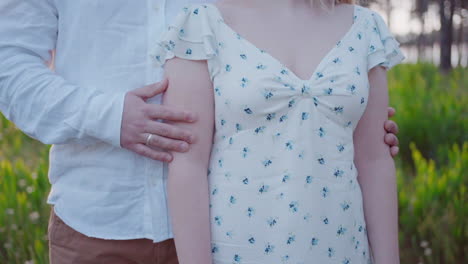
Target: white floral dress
(282, 178)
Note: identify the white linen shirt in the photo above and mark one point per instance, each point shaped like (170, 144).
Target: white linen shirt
(98, 188)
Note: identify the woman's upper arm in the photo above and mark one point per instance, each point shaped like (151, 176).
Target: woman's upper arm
(369, 134)
(190, 88)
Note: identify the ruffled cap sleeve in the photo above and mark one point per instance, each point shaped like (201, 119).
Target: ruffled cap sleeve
(191, 36)
(384, 49)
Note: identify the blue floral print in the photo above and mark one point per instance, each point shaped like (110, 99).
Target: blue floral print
(283, 186)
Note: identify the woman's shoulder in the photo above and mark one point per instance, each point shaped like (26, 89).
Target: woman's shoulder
(192, 35)
(232, 11)
(228, 4)
(370, 17)
(365, 11)
(196, 19)
(198, 10)
(383, 48)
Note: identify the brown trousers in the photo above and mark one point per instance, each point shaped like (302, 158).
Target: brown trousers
(67, 246)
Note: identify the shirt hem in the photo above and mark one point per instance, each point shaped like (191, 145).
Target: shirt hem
(108, 236)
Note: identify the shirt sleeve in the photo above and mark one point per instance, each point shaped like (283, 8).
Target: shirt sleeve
(191, 36)
(41, 103)
(384, 49)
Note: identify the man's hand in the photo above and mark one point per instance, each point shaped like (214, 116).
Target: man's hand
(392, 130)
(139, 121)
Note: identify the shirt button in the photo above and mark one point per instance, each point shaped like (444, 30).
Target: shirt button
(156, 7)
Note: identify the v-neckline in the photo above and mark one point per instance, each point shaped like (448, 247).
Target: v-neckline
(277, 61)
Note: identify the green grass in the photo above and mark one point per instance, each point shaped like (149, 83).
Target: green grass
(432, 173)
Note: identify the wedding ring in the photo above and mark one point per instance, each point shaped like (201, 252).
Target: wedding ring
(148, 138)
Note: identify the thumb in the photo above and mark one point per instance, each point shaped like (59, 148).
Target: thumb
(152, 90)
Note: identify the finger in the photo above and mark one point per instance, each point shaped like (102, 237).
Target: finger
(169, 113)
(151, 153)
(167, 143)
(391, 140)
(152, 89)
(391, 112)
(394, 151)
(170, 131)
(391, 127)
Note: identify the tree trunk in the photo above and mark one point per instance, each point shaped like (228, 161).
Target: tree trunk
(446, 10)
(389, 12)
(460, 37)
(421, 43)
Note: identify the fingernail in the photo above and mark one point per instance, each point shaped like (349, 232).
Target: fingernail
(183, 146)
(192, 139)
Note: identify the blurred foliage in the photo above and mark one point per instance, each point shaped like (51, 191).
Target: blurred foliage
(24, 187)
(23, 213)
(432, 109)
(433, 207)
(431, 173)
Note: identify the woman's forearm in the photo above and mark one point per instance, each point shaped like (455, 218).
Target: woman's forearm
(188, 200)
(378, 183)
